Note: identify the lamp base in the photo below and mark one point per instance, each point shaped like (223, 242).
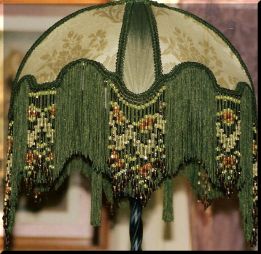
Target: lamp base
(136, 227)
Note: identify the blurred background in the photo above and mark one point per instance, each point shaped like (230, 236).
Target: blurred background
(62, 220)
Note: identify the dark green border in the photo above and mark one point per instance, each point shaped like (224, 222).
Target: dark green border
(123, 40)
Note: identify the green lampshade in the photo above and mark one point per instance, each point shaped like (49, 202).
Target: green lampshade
(135, 93)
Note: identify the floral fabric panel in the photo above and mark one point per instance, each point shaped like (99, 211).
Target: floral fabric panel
(96, 40)
(190, 40)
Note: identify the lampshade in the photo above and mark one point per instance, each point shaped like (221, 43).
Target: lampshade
(133, 93)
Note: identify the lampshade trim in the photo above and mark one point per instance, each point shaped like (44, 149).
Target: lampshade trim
(132, 97)
(203, 128)
(190, 134)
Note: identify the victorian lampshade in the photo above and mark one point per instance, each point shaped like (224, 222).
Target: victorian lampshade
(133, 93)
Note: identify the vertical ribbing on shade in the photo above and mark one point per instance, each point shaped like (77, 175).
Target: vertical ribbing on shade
(96, 199)
(190, 127)
(246, 163)
(168, 200)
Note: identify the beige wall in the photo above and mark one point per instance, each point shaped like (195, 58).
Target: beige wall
(157, 235)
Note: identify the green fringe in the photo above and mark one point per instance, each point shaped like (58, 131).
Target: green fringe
(168, 200)
(19, 149)
(246, 163)
(190, 171)
(96, 197)
(246, 137)
(81, 114)
(73, 164)
(107, 189)
(190, 138)
(246, 206)
(190, 127)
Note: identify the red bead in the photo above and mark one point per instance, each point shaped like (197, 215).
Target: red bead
(29, 157)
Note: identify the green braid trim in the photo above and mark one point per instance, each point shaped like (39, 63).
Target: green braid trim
(130, 96)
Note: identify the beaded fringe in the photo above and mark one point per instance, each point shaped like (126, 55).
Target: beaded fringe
(192, 137)
(18, 150)
(136, 145)
(198, 132)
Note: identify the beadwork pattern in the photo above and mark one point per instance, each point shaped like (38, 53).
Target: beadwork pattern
(206, 186)
(255, 187)
(40, 138)
(8, 188)
(136, 148)
(136, 145)
(228, 135)
(96, 134)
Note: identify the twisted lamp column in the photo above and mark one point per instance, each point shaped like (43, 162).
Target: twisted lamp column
(136, 227)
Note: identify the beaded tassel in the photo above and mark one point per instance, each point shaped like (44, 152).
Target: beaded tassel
(8, 189)
(228, 136)
(136, 144)
(40, 140)
(255, 190)
(205, 187)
